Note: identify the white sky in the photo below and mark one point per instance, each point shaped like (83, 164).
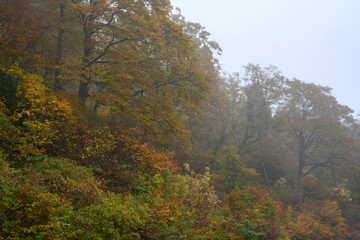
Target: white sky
(313, 40)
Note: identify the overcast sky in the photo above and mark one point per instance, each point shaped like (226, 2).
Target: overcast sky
(313, 40)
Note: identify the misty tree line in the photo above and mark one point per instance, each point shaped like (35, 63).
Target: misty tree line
(110, 107)
(272, 120)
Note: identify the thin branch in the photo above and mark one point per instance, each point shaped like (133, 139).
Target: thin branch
(316, 165)
(106, 48)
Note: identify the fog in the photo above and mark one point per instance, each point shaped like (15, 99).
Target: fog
(315, 41)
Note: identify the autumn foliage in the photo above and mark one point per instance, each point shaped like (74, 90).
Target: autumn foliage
(115, 123)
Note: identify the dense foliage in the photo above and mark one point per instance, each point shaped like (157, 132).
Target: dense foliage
(115, 123)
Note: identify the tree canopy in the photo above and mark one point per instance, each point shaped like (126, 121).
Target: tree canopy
(116, 122)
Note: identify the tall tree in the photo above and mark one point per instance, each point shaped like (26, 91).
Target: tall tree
(59, 44)
(206, 123)
(309, 115)
(260, 92)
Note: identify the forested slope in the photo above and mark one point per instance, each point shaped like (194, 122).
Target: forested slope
(116, 123)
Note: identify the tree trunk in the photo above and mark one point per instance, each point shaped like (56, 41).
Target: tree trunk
(86, 63)
(84, 90)
(85, 78)
(59, 46)
(300, 179)
(97, 104)
(264, 167)
(333, 175)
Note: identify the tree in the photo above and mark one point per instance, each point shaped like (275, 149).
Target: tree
(113, 31)
(59, 44)
(20, 28)
(252, 99)
(309, 114)
(260, 92)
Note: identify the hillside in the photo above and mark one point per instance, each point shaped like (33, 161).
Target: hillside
(116, 123)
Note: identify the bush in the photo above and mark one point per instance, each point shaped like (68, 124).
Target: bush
(114, 217)
(317, 220)
(60, 176)
(27, 212)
